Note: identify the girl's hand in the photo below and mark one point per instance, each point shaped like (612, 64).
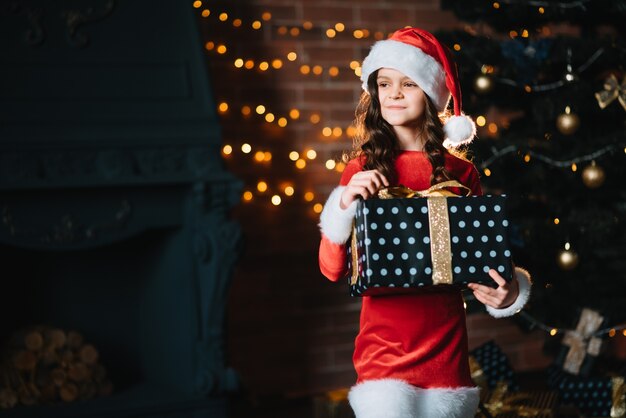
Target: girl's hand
(501, 297)
(364, 184)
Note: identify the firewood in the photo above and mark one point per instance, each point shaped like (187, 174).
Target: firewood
(8, 398)
(58, 376)
(49, 393)
(78, 372)
(68, 392)
(12, 378)
(43, 377)
(66, 357)
(26, 397)
(55, 338)
(25, 360)
(74, 340)
(33, 341)
(47, 365)
(88, 354)
(49, 357)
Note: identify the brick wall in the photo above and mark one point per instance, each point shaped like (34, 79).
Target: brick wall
(290, 330)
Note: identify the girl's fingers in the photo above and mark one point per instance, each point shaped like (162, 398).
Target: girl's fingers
(481, 298)
(496, 277)
(493, 296)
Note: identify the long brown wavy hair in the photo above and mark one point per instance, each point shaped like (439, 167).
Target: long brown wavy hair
(376, 141)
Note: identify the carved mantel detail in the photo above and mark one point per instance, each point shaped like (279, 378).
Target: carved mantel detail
(73, 19)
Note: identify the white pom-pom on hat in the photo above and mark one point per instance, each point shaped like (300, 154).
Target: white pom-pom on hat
(459, 130)
(420, 56)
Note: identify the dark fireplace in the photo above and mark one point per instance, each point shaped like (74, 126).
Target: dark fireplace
(114, 201)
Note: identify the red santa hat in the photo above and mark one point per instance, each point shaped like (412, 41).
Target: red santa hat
(420, 56)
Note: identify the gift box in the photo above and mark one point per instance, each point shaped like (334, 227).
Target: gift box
(598, 396)
(580, 346)
(489, 367)
(501, 402)
(403, 244)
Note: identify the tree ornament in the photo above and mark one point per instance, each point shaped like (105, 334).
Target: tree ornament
(567, 123)
(483, 84)
(612, 90)
(570, 76)
(567, 259)
(593, 176)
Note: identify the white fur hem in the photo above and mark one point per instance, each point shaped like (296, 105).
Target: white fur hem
(525, 283)
(336, 223)
(393, 398)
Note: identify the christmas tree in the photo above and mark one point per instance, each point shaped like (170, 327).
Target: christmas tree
(545, 82)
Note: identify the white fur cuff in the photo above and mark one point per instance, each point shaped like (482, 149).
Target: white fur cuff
(336, 223)
(524, 283)
(393, 398)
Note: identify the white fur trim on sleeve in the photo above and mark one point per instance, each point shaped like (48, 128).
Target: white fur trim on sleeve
(524, 283)
(394, 398)
(336, 223)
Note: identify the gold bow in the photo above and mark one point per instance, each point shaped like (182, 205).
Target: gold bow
(581, 340)
(439, 223)
(499, 403)
(618, 410)
(408, 193)
(477, 373)
(612, 90)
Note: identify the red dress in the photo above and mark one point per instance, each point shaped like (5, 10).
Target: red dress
(417, 338)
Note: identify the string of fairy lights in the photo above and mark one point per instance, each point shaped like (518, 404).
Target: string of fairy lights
(554, 331)
(567, 122)
(571, 163)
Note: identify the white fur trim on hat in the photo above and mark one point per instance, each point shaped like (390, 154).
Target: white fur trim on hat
(524, 282)
(394, 398)
(412, 62)
(336, 223)
(459, 130)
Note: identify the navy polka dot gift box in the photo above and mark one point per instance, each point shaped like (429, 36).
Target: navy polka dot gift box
(399, 245)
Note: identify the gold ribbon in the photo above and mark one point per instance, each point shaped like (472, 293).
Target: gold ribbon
(581, 340)
(408, 193)
(499, 403)
(618, 410)
(612, 90)
(477, 373)
(355, 257)
(439, 225)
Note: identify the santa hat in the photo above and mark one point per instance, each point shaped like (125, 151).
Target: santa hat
(421, 57)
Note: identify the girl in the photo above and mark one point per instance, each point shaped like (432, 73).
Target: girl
(411, 353)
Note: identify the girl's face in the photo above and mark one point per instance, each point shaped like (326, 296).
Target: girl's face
(402, 101)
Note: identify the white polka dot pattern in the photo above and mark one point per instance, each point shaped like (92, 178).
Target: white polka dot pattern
(393, 243)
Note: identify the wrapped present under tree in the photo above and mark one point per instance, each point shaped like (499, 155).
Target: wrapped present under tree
(597, 396)
(503, 403)
(580, 346)
(490, 366)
